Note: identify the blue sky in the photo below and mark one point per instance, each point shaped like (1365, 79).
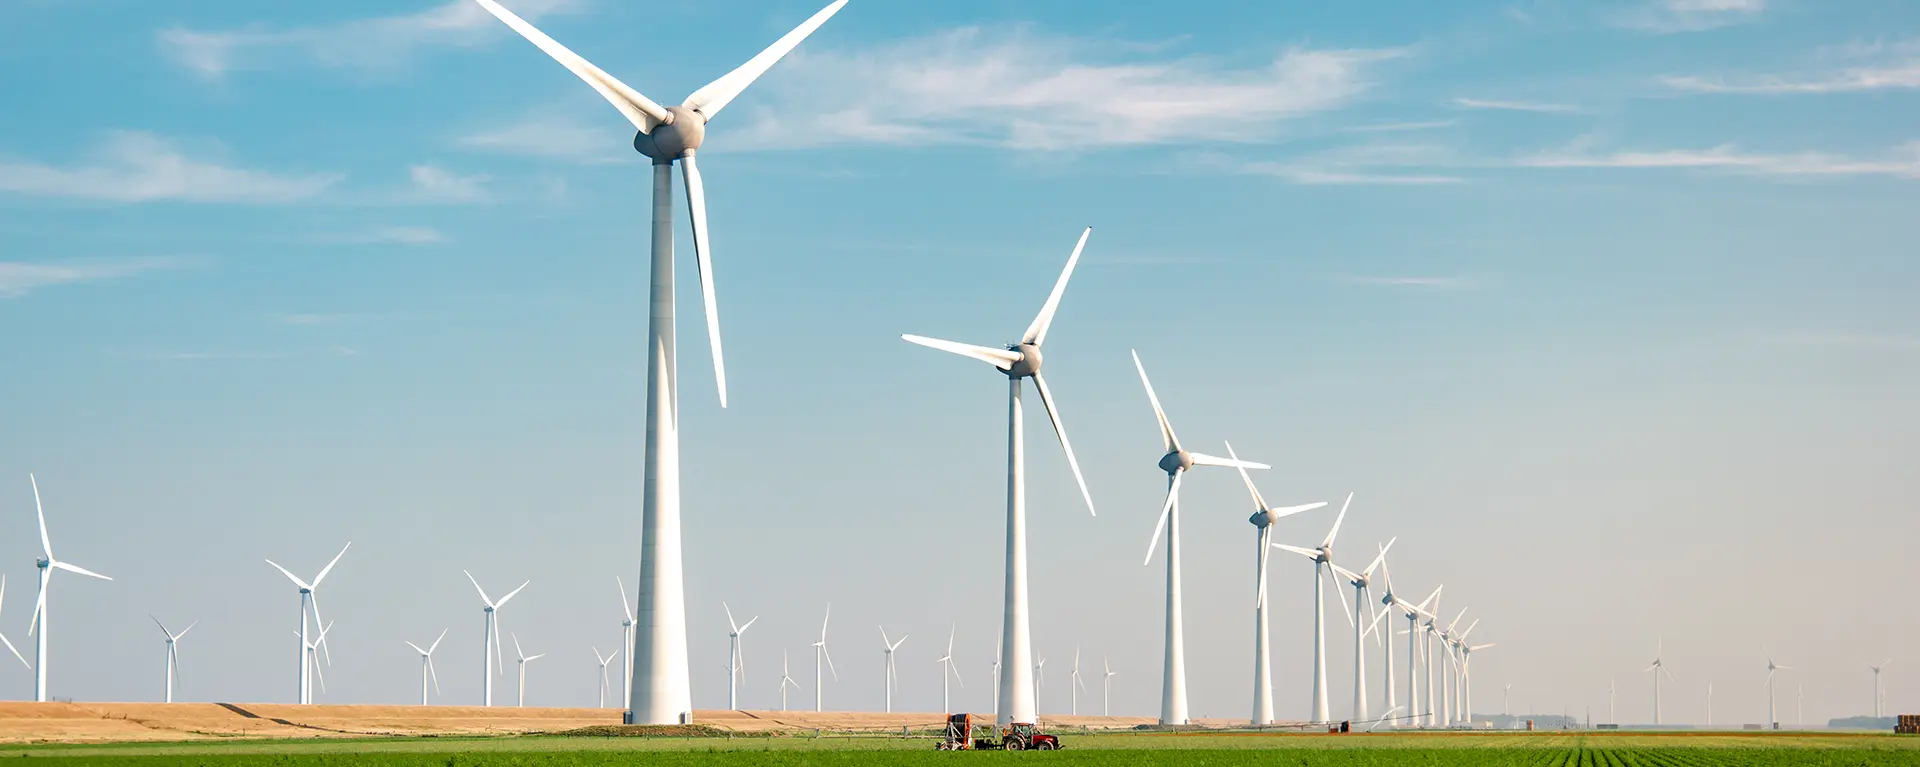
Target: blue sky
(1602, 308)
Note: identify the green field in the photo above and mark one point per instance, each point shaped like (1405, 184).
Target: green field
(1187, 750)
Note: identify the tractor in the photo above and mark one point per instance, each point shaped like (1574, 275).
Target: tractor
(1021, 736)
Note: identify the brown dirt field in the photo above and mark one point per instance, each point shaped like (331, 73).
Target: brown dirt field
(22, 722)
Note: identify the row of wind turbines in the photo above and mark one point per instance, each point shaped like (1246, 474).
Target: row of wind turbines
(1658, 668)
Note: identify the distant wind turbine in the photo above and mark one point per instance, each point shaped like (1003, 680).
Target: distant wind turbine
(819, 652)
(1322, 557)
(1660, 668)
(1263, 519)
(490, 662)
(1773, 722)
(892, 680)
(426, 666)
(310, 603)
(604, 683)
(173, 652)
(521, 688)
(312, 650)
(948, 672)
(1106, 689)
(735, 662)
(1075, 685)
(47, 565)
(626, 643)
(786, 680)
(1878, 696)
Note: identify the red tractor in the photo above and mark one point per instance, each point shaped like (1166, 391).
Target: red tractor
(1021, 736)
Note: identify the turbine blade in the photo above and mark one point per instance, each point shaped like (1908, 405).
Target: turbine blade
(829, 656)
(516, 648)
(80, 570)
(1166, 511)
(1167, 438)
(476, 587)
(183, 632)
(1053, 414)
(503, 600)
(416, 648)
(434, 675)
(1380, 560)
(730, 624)
(314, 599)
(46, 544)
(715, 96)
(436, 642)
(39, 603)
(1308, 553)
(1344, 572)
(15, 651)
(329, 568)
(1340, 592)
(163, 626)
(625, 609)
(1000, 358)
(290, 576)
(1266, 552)
(1335, 532)
(749, 623)
(1259, 504)
(1202, 459)
(703, 257)
(638, 109)
(1037, 331)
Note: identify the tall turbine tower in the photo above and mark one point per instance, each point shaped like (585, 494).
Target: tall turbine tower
(312, 650)
(490, 662)
(1773, 722)
(626, 642)
(947, 671)
(819, 652)
(1322, 557)
(604, 683)
(735, 661)
(1175, 462)
(1360, 581)
(47, 565)
(1021, 361)
(1709, 704)
(786, 680)
(1430, 628)
(310, 603)
(662, 690)
(1412, 611)
(3, 637)
(1074, 685)
(521, 689)
(1106, 688)
(426, 666)
(892, 680)
(1660, 668)
(1878, 696)
(1262, 519)
(1449, 672)
(173, 652)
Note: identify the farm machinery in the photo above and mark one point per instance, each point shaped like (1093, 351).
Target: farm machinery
(964, 735)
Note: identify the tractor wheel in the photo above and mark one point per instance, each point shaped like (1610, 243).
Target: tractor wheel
(1013, 744)
(1043, 746)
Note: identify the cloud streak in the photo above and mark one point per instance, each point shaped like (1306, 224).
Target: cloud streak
(1674, 16)
(18, 278)
(1515, 106)
(373, 43)
(1853, 80)
(134, 166)
(1906, 165)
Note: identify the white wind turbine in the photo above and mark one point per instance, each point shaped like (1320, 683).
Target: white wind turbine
(521, 689)
(1659, 668)
(1175, 462)
(1456, 646)
(1709, 704)
(1466, 673)
(1361, 582)
(663, 692)
(786, 680)
(1878, 696)
(1039, 682)
(626, 642)
(1106, 688)
(735, 662)
(310, 603)
(1021, 361)
(604, 683)
(1612, 717)
(490, 655)
(1449, 672)
(1773, 722)
(426, 666)
(1322, 557)
(819, 652)
(3, 637)
(947, 671)
(1075, 685)
(1262, 519)
(891, 679)
(1799, 691)
(1413, 613)
(312, 652)
(173, 652)
(1430, 629)
(47, 565)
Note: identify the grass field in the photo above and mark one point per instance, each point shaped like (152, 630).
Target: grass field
(1188, 750)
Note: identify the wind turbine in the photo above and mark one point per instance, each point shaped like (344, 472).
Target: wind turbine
(947, 671)
(173, 651)
(1508, 690)
(735, 662)
(1021, 361)
(47, 565)
(3, 637)
(1660, 667)
(1709, 704)
(1878, 696)
(1430, 629)
(665, 135)
(1466, 674)
(1360, 581)
(1611, 717)
(1076, 686)
(1799, 691)
(521, 690)
(819, 652)
(1106, 689)
(786, 680)
(1413, 613)
(490, 649)
(1262, 519)
(892, 680)
(1772, 721)
(1039, 681)
(1449, 672)
(604, 684)
(626, 642)
(1175, 462)
(310, 603)
(1322, 557)
(426, 666)
(311, 649)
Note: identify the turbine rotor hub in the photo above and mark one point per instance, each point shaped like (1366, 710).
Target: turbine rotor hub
(1029, 364)
(1261, 518)
(42, 562)
(677, 137)
(1176, 461)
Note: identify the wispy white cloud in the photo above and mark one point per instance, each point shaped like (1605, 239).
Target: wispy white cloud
(1516, 106)
(1020, 89)
(371, 43)
(1672, 16)
(1375, 164)
(18, 278)
(1401, 127)
(397, 235)
(1850, 80)
(433, 185)
(1320, 177)
(1903, 164)
(134, 166)
(1437, 283)
(552, 133)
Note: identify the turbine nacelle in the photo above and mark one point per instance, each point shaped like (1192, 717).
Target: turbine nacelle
(1028, 365)
(1177, 460)
(42, 562)
(677, 136)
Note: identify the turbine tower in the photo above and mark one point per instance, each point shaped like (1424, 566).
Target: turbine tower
(1709, 704)
(1429, 629)
(310, 603)
(173, 652)
(947, 671)
(1262, 519)
(521, 689)
(1360, 581)
(1322, 557)
(1660, 667)
(604, 683)
(1773, 722)
(626, 642)
(1175, 462)
(1021, 361)
(662, 690)
(3, 637)
(819, 652)
(1075, 686)
(426, 666)
(490, 662)
(785, 680)
(735, 662)
(1878, 696)
(47, 565)
(1449, 672)
(312, 651)
(1413, 613)
(892, 680)
(1106, 688)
